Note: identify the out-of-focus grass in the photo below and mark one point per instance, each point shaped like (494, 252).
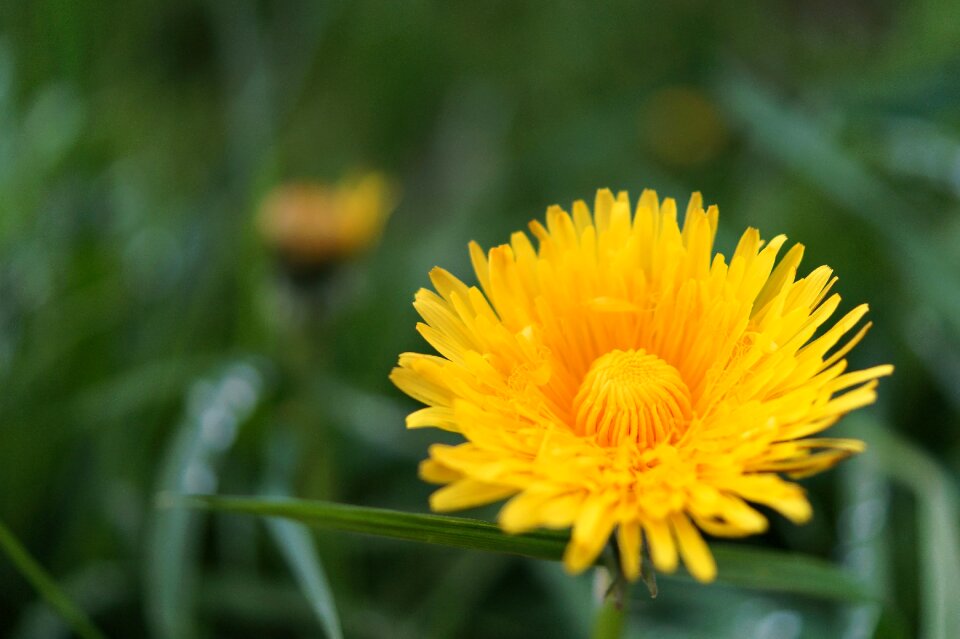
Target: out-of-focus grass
(136, 140)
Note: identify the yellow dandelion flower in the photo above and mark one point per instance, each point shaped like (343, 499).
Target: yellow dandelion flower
(310, 223)
(621, 378)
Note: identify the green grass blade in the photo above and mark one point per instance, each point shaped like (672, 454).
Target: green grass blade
(293, 539)
(296, 546)
(457, 532)
(745, 567)
(46, 586)
(938, 522)
(803, 146)
(786, 572)
(217, 407)
(98, 588)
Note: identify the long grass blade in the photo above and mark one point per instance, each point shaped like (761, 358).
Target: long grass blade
(753, 568)
(46, 586)
(295, 544)
(786, 572)
(294, 541)
(217, 408)
(799, 144)
(458, 532)
(938, 522)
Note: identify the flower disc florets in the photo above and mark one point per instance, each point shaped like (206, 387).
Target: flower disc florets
(632, 397)
(622, 379)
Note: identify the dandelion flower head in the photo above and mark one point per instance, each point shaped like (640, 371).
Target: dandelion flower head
(620, 379)
(314, 223)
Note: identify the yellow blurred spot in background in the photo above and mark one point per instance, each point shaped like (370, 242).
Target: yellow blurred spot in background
(680, 126)
(314, 223)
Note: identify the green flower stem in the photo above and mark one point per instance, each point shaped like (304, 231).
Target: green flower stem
(610, 621)
(612, 615)
(46, 586)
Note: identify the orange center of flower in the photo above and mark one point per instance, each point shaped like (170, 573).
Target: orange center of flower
(632, 396)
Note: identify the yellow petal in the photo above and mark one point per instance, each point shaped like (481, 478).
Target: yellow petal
(663, 551)
(696, 556)
(629, 542)
(590, 533)
(436, 473)
(467, 493)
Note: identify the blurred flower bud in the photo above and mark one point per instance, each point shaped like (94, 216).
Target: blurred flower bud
(312, 225)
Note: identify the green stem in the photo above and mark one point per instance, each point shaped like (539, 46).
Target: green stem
(612, 615)
(44, 584)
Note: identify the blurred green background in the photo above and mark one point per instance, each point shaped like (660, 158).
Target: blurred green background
(150, 341)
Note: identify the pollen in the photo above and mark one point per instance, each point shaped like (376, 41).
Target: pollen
(632, 397)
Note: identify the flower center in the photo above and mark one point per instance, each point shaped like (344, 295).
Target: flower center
(632, 396)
